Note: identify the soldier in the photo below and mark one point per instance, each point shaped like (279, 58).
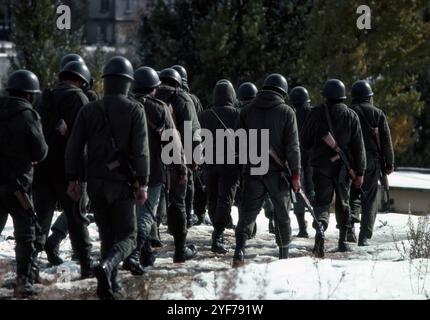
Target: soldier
(379, 154)
(159, 119)
(269, 111)
(189, 200)
(58, 110)
(300, 101)
(21, 145)
(222, 178)
(247, 92)
(171, 93)
(60, 228)
(332, 174)
(115, 131)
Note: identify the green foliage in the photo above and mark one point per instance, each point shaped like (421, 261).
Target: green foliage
(40, 45)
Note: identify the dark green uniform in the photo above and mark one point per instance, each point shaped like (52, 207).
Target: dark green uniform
(269, 111)
(372, 117)
(222, 179)
(21, 144)
(331, 177)
(59, 110)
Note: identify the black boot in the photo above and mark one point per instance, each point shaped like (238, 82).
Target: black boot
(132, 262)
(103, 274)
(343, 244)
(52, 248)
(87, 268)
(218, 242)
(24, 288)
(182, 252)
(239, 253)
(271, 226)
(147, 257)
(283, 253)
(363, 241)
(34, 273)
(351, 237)
(117, 288)
(303, 226)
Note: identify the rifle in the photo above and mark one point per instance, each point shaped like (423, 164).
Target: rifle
(383, 176)
(25, 202)
(287, 176)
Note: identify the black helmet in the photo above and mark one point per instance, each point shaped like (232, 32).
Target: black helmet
(171, 74)
(70, 58)
(299, 95)
(79, 69)
(277, 81)
(23, 81)
(361, 89)
(182, 71)
(334, 90)
(120, 67)
(247, 91)
(146, 78)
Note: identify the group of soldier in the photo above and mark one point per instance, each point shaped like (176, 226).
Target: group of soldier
(70, 149)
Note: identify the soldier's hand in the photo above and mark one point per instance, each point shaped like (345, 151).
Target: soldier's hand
(358, 182)
(389, 171)
(74, 191)
(141, 195)
(297, 186)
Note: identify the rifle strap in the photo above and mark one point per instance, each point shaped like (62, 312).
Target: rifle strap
(222, 123)
(368, 126)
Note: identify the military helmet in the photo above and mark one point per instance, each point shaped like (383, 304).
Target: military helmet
(224, 81)
(120, 67)
(182, 71)
(70, 58)
(146, 78)
(23, 81)
(361, 89)
(247, 91)
(334, 89)
(171, 74)
(79, 69)
(277, 81)
(299, 95)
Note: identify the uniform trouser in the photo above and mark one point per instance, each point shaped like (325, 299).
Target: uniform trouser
(269, 210)
(60, 225)
(200, 195)
(24, 232)
(222, 183)
(367, 206)
(189, 199)
(145, 215)
(162, 205)
(255, 189)
(46, 195)
(330, 181)
(308, 188)
(115, 216)
(176, 214)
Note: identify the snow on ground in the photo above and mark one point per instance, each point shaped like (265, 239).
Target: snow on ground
(375, 272)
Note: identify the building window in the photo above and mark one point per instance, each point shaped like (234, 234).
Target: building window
(104, 5)
(127, 6)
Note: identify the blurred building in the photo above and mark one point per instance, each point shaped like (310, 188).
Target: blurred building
(112, 22)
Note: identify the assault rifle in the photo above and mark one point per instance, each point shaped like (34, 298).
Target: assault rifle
(287, 176)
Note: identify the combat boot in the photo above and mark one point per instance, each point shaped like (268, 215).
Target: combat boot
(103, 274)
(351, 237)
(343, 244)
(24, 288)
(132, 262)
(117, 288)
(303, 226)
(239, 252)
(34, 271)
(87, 268)
(147, 257)
(218, 242)
(283, 253)
(271, 226)
(183, 252)
(52, 248)
(363, 241)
